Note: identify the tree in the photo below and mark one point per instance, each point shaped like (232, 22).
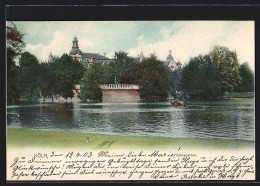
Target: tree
(108, 76)
(153, 78)
(48, 82)
(27, 59)
(129, 77)
(227, 63)
(69, 69)
(247, 82)
(65, 89)
(15, 46)
(176, 81)
(28, 76)
(201, 78)
(121, 64)
(94, 76)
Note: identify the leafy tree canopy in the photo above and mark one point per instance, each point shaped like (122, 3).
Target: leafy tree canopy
(65, 89)
(49, 85)
(94, 76)
(201, 78)
(227, 63)
(27, 59)
(67, 68)
(176, 81)
(153, 78)
(247, 82)
(29, 72)
(15, 43)
(15, 46)
(121, 64)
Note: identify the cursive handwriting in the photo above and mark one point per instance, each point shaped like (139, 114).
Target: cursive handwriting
(130, 165)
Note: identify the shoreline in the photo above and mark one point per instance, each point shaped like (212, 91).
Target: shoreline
(223, 100)
(21, 138)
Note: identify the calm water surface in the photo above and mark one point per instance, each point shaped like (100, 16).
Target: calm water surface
(139, 119)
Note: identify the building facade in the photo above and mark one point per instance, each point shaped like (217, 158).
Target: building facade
(87, 58)
(170, 62)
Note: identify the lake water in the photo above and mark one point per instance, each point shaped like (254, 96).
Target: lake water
(227, 121)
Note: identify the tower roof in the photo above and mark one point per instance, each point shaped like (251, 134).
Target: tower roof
(75, 48)
(170, 56)
(179, 63)
(141, 56)
(75, 38)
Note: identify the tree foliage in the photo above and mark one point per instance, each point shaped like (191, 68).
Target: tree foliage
(49, 85)
(15, 43)
(65, 88)
(201, 78)
(94, 76)
(227, 63)
(121, 64)
(49, 78)
(176, 81)
(69, 69)
(29, 76)
(14, 46)
(247, 76)
(129, 77)
(153, 78)
(60, 76)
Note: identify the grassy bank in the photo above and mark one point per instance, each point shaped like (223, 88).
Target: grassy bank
(18, 137)
(239, 95)
(229, 101)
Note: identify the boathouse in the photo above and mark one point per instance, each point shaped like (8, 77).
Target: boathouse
(120, 93)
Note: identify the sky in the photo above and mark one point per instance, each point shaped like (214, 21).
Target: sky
(185, 39)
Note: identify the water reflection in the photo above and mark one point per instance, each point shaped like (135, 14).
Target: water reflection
(139, 119)
(219, 122)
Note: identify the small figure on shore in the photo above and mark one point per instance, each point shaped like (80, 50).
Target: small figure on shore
(88, 140)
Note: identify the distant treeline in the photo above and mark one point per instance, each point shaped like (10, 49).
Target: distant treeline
(207, 76)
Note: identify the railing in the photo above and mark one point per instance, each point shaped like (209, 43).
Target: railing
(120, 86)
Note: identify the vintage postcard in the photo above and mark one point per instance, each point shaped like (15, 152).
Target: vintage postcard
(130, 100)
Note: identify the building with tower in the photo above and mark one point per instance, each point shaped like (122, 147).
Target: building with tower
(140, 57)
(171, 63)
(87, 58)
(179, 64)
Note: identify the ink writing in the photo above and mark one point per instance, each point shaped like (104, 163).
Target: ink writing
(133, 165)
